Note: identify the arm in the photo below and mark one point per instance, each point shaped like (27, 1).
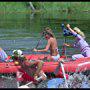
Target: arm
(78, 36)
(46, 48)
(68, 45)
(71, 30)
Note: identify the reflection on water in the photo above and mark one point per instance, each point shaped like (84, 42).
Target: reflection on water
(22, 31)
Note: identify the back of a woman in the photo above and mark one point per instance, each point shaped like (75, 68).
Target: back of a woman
(80, 43)
(54, 47)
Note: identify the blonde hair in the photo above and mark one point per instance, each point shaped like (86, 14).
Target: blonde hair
(78, 31)
(48, 31)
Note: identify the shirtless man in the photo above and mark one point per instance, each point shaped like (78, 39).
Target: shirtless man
(51, 45)
(34, 65)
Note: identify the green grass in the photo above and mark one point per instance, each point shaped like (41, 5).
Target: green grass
(9, 7)
(12, 7)
(51, 6)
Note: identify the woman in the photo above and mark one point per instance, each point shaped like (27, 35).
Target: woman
(51, 45)
(80, 43)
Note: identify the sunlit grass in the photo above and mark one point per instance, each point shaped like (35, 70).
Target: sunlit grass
(24, 7)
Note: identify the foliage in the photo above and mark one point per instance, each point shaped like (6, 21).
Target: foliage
(45, 6)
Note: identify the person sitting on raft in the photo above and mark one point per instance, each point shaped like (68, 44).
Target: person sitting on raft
(25, 64)
(51, 45)
(80, 43)
(3, 55)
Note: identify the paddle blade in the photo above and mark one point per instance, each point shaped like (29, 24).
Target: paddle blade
(66, 32)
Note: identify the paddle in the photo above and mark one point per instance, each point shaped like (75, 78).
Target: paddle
(65, 33)
(39, 41)
(26, 85)
(64, 75)
(63, 71)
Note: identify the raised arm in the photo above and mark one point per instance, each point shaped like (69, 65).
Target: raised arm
(71, 30)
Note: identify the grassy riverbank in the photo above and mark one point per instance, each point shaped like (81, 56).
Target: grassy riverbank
(24, 7)
(12, 7)
(75, 6)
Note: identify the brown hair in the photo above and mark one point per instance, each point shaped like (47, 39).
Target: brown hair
(48, 31)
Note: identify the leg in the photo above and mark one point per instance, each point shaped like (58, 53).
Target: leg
(76, 56)
(36, 65)
(43, 75)
(87, 53)
(39, 67)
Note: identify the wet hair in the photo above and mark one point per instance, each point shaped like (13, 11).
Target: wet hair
(78, 31)
(48, 31)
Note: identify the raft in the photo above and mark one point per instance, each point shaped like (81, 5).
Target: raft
(79, 65)
(10, 67)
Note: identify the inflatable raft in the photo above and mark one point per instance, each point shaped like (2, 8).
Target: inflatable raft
(79, 65)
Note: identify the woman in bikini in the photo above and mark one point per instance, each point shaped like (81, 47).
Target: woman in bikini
(51, 45)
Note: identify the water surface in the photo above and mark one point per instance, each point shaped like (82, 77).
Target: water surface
(23, 31)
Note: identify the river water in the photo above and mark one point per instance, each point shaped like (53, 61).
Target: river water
(23, 31)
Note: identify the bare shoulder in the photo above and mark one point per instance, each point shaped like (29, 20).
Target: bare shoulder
(52, 39)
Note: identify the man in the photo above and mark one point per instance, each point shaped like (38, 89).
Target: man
(31, 67)
(3, 55)
(51, 45)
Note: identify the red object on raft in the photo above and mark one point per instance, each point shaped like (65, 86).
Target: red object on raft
(81, 64)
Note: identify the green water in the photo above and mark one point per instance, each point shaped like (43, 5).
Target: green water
(22, 31)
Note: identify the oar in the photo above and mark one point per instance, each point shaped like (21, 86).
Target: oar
(38, 42)
(60, 63)
(26, 85)
(63, 71)
(64, 48)
(66, 84)
(64, 34)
